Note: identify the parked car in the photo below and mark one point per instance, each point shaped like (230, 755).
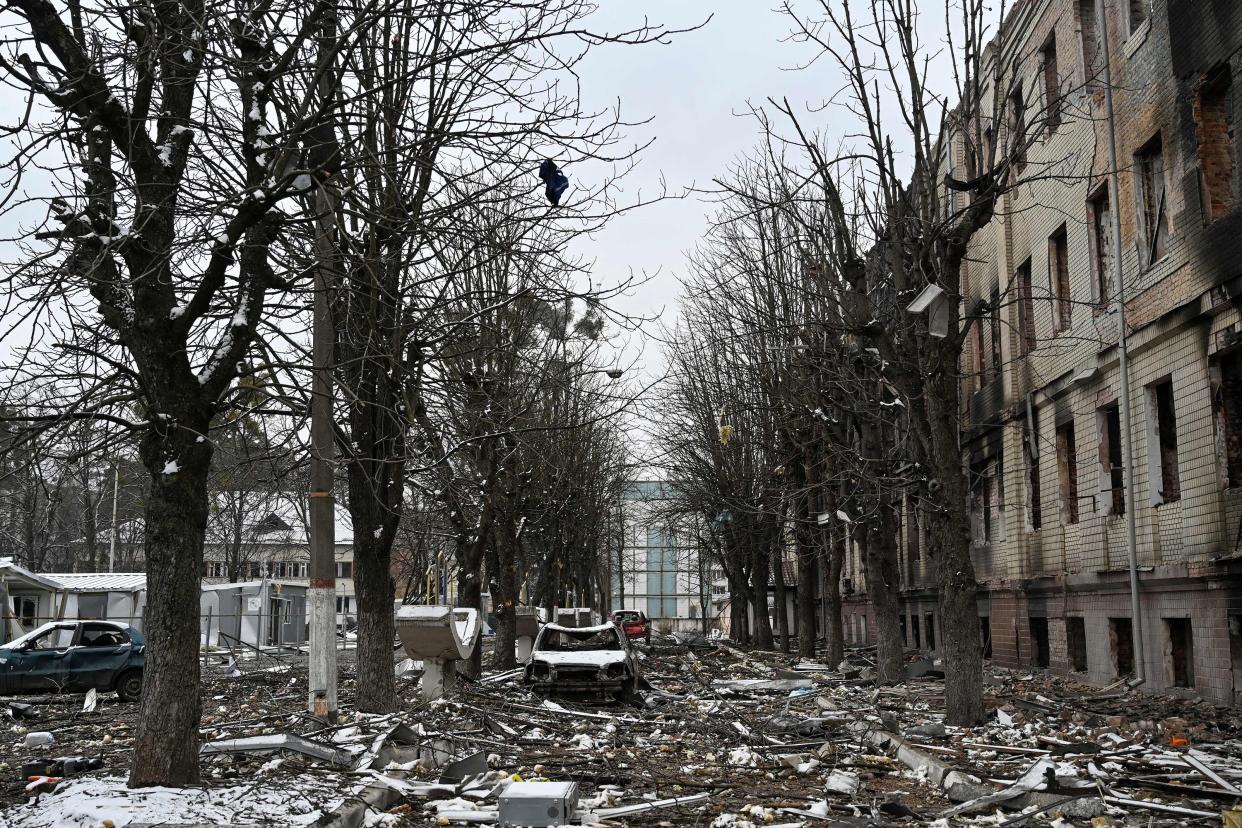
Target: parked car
(73, 657)
(594, 661)
(633, 623)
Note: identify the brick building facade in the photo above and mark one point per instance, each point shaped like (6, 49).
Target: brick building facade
(1040, 381)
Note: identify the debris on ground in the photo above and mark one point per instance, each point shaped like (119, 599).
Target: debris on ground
(719, 736)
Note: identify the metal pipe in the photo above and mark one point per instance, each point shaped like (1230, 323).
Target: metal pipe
(1123, 362)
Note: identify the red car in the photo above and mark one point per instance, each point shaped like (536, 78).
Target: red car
(633, 623)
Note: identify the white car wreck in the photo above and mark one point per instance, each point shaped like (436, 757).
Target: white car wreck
(593, 661)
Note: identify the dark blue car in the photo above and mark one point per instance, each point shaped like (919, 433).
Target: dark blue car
(73, 657)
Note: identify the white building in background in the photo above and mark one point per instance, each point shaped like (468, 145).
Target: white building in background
(658, 570)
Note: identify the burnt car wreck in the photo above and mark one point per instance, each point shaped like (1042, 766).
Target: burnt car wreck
(74, 657)
(583, 661)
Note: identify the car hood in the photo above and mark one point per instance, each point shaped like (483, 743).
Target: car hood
(590, 658)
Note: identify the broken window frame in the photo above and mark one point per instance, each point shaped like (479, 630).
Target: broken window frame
(1050, 72)
(1162, 454)
(1185, 676)
(1100, 221)
(1030, 454)
(1067, 472)
(1017, 128)
(1026, 308)
(1075, 634)
(1225, 375)
(1139, 13)
(1112, 486)
(1213, 113)
(1059, 280)
(1153, 211)
(1088, 39)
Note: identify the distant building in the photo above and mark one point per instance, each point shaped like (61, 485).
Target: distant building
(658, 569)
(257, 536)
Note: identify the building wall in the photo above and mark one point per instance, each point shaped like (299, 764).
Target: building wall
(658, 568)
(1042, 573)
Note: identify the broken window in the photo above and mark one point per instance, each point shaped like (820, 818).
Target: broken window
(1067, 471)
(1026, 309)
(1088, 30)
(1235, 655)
(930, 625)
(985, 635)
(1102, 246)
(1226, 375)
(1180, 652)
(914, 627)
(977, 341)
(1138, 14)
(344, 569)
(1034, 518)
(1052, 82)
(987, 502)
(25, 609)
(1121, 646)
(1162, 436)
(1149, 164)
(1076, 643)
(1214, 131)
(1017, 129)
(1059, 279)
(1039, 639)
(1112, 470)
(994, 331)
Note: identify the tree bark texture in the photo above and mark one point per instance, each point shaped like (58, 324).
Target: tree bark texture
(166, 741)
(879, 548)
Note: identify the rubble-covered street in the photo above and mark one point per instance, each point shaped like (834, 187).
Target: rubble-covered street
(726, 738)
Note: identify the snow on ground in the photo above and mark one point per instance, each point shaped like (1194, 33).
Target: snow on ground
(87, 802)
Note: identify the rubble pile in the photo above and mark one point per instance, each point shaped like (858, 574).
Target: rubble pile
(717, 736)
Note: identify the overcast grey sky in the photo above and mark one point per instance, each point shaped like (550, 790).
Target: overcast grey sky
(695, 90)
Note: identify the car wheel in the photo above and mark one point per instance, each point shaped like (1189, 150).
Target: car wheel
(129, 685)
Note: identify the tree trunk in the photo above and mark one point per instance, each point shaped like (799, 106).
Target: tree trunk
(781, 595)
(834, 632)
(166, 742)
(504, 596)
(470, 594)
(808, 575)
(760, 565)
(376, 690)
(949, 544)
(879, 553)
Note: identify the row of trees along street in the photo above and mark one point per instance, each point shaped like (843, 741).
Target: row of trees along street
(165, 167)
(805, 404)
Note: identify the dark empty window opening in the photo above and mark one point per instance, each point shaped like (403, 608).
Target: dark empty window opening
(1149, 164)
(1067, 472)
(1226, 372)
(1180, 652)
(994, 331)
(1052, 83)
(905, 640)
(1166, 440)
(1017, 129)
(1112, 470)
(1088, 29)
(1034, 509)
(930, 625)
(1121, 646)
(1026, 309)
(1039, 638)
(985, 636)
(914, 626)
(1235, 655)
(1102, 246)
(1076, 643)
(1059, 279)
(1138, 14)
(1213, 114)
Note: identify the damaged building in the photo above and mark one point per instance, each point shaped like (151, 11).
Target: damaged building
(1042, 425)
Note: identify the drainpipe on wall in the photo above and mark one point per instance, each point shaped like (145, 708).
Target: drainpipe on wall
(1123, 362)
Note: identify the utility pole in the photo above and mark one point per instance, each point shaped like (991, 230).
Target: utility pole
(116, 483)
(322, 690)
(1123, 360)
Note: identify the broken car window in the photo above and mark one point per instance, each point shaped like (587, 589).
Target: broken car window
(578, 640)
